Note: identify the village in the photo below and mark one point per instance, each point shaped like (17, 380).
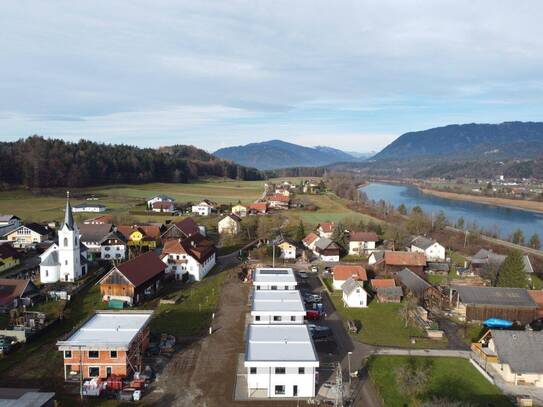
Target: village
(298, 311)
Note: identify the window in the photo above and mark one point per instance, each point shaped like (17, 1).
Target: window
(279, 390)
(280, 370)
(94, 371)
(301, 370)
(286, 287)
(93, 354)
(65, 242)
(113, 354)
(252, 370)
(107, 248)
(274, 287)
(67, 354)
(257, 317)
(293, 318)
(277, 318)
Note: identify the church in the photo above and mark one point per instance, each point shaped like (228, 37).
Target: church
(65, 260)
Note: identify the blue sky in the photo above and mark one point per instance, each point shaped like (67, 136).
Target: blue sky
(347, 74)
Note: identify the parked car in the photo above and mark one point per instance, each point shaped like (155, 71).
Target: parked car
(537, 325)
(319, 332)
(314, 269)
(303, 275)
(313, 315)
(127, 394)
(312, 298)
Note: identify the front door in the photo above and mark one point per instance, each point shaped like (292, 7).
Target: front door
(295, 391)
(108, 371)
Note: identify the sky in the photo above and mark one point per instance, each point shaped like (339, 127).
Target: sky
(347, 74)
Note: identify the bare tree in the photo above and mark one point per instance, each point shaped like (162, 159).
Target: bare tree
(408, 308)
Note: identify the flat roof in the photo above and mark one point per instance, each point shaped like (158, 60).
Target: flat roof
(108, 329)
(279, 343)
(277, 301)
(274, 275)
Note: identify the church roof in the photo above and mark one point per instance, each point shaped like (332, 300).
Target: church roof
(68, 215)
(51, 260)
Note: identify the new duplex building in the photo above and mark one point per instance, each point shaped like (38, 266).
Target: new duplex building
(109, 342)
(274, 279)
(281, 361)
(277, 307)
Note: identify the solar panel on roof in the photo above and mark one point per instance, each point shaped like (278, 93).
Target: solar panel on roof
(273, 271)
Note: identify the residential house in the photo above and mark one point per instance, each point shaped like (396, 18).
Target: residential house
(431, 249)
(88, 208)
(258, 208)
(326, 250)
(114, 246)
(204, 208)
(146, 237)
(240, 210)
(376, 257)
(343, 272)
(190, 258)
(354, 295)
(134, 280)
(159, 198)
(25, 236)
(310, 240)
(277, 307)
(16, 292)
(65, 260)
(474, 303)
(274, 279)
(8, 223)
(278, 201)
(92, 235)
(488, 259)
(362, 243)
(385, 290)
(182, 229)
(514, 357)
(163, 206)
(229, 225)
(326, 229)
(108, 343)
(99, 220)
(394, 262)
(289, 249)
(281, 361)
(9, 257)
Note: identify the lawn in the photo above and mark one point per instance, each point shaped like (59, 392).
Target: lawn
(450, 378)
(381, 324)
(191, 315)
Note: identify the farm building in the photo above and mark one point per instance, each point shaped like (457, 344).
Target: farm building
(385, 290)
(190, 258)
(16, 292)
(277, 307)
(394, 262)
(182, 229)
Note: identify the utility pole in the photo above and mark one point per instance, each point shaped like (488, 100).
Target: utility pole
(349, 361)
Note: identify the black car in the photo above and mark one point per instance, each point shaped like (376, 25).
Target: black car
(537, 325)
(320, 332)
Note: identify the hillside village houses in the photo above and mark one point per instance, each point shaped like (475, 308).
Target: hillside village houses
(204, 208)
(230, 225)
(343, 272)
(326, 229)
(431, 249)
(189, 258)
(288, 248)
(65, 260)
(278, 201)
(362, 243)
(159, 198)
(310, 240)
(114, 246)
(163, 206)
(240, 210)
(258, 208)
(27, 235)
(327, 250)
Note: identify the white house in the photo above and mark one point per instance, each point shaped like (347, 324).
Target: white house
(240, 210)
(189, 258)
(362, 243)
(354, 295)
(26, 235)
(158, 198)
(113, 246)
(230, 225)
(288, 249)
(327, 250)
(375, 257)
(343, 272)
(277, 307)
(310, 240)
(326, 229)
(274, 279)
(67, 259)
(432, 249)
(88, 208)
(281, 361)
(8, 223)
(204, 208)
(163, 206)
(91, 235)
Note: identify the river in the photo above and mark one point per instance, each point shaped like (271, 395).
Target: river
(503, 221)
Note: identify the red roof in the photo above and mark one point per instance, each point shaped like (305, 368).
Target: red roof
(163, 205)
(11, 289)
(383, 283)
(7, 250)
(345, 272)
(364, 237)
(196, 246)
(188, 226)
(405, 259)
(327, 227)
(259, 206)
(279, 198)
(148, 231)
(310, 238)
(142, 268)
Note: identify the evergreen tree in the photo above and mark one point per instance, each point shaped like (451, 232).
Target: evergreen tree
(460, 223)
(535, 243)
(518, 237)
(511, 273)
(402, 209)
(440, 221)
(340, 237)
(299, 233)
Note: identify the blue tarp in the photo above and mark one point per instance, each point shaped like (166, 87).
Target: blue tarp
(497, 323)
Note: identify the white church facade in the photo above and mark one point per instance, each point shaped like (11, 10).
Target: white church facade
(65, 260)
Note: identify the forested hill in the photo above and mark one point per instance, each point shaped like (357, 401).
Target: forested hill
(37, 162)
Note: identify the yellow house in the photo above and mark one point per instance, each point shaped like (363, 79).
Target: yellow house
(288, 250)
(143, 236)
(239, 210)
(9, 257)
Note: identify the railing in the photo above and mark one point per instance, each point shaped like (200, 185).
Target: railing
(479, 350)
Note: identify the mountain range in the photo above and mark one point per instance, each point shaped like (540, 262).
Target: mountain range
(273, 154)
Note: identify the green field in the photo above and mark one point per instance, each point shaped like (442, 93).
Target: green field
(449, 378)
(381, 324)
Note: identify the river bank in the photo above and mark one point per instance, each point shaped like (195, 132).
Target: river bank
(531, 206)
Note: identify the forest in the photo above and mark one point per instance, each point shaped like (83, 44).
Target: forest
(37, 162)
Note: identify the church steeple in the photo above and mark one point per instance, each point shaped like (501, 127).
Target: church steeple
(68, 216)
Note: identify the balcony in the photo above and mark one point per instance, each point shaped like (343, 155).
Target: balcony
(483, 353)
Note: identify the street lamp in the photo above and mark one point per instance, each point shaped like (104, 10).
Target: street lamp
(349, 361)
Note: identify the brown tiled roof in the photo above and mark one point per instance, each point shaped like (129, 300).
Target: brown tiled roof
(7, 250)
(383, 283)
(364, 237)
(537, 296)
(328, 227)
(149, 232)
(259, 206)
(344, 272)
(405, 259)
(196, 246)
(142, 268)
(188, 226)
(279, 198)
(162, 205)
(11, 289)
(310, 238)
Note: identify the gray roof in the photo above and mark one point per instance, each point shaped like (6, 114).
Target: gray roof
(390, 291)
(413, 282)
(7, 218)
(51, 260)
(68, 215)
(422, 242)
(265, 301)
(485, 256)
(274, 275)
(94, 232)
(495, 296)
(323, 242)
(521, 350)
(114, 235)
(438, 266)
(350, 285)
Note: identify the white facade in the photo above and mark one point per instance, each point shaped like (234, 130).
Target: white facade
(274, 279)
(113, 252)
(158, 198)
(89, 208)
(328, 259)
(355, 297)
(277, 307)
(435, 252)
(229, 225)
(358, 248)
(202, 209)
(288, 251)
(281, 361)
(182, 263)
(23, 237)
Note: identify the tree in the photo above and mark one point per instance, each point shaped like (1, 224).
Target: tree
(417, 209)
(408, 309)
(396, 234)
(402, 209)
(299, 232)
(518, 237)
(418, 224)
(340, 237)
(460, 223)
(412, 379)
(511, 273)
(440, 221)
(535, 243)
